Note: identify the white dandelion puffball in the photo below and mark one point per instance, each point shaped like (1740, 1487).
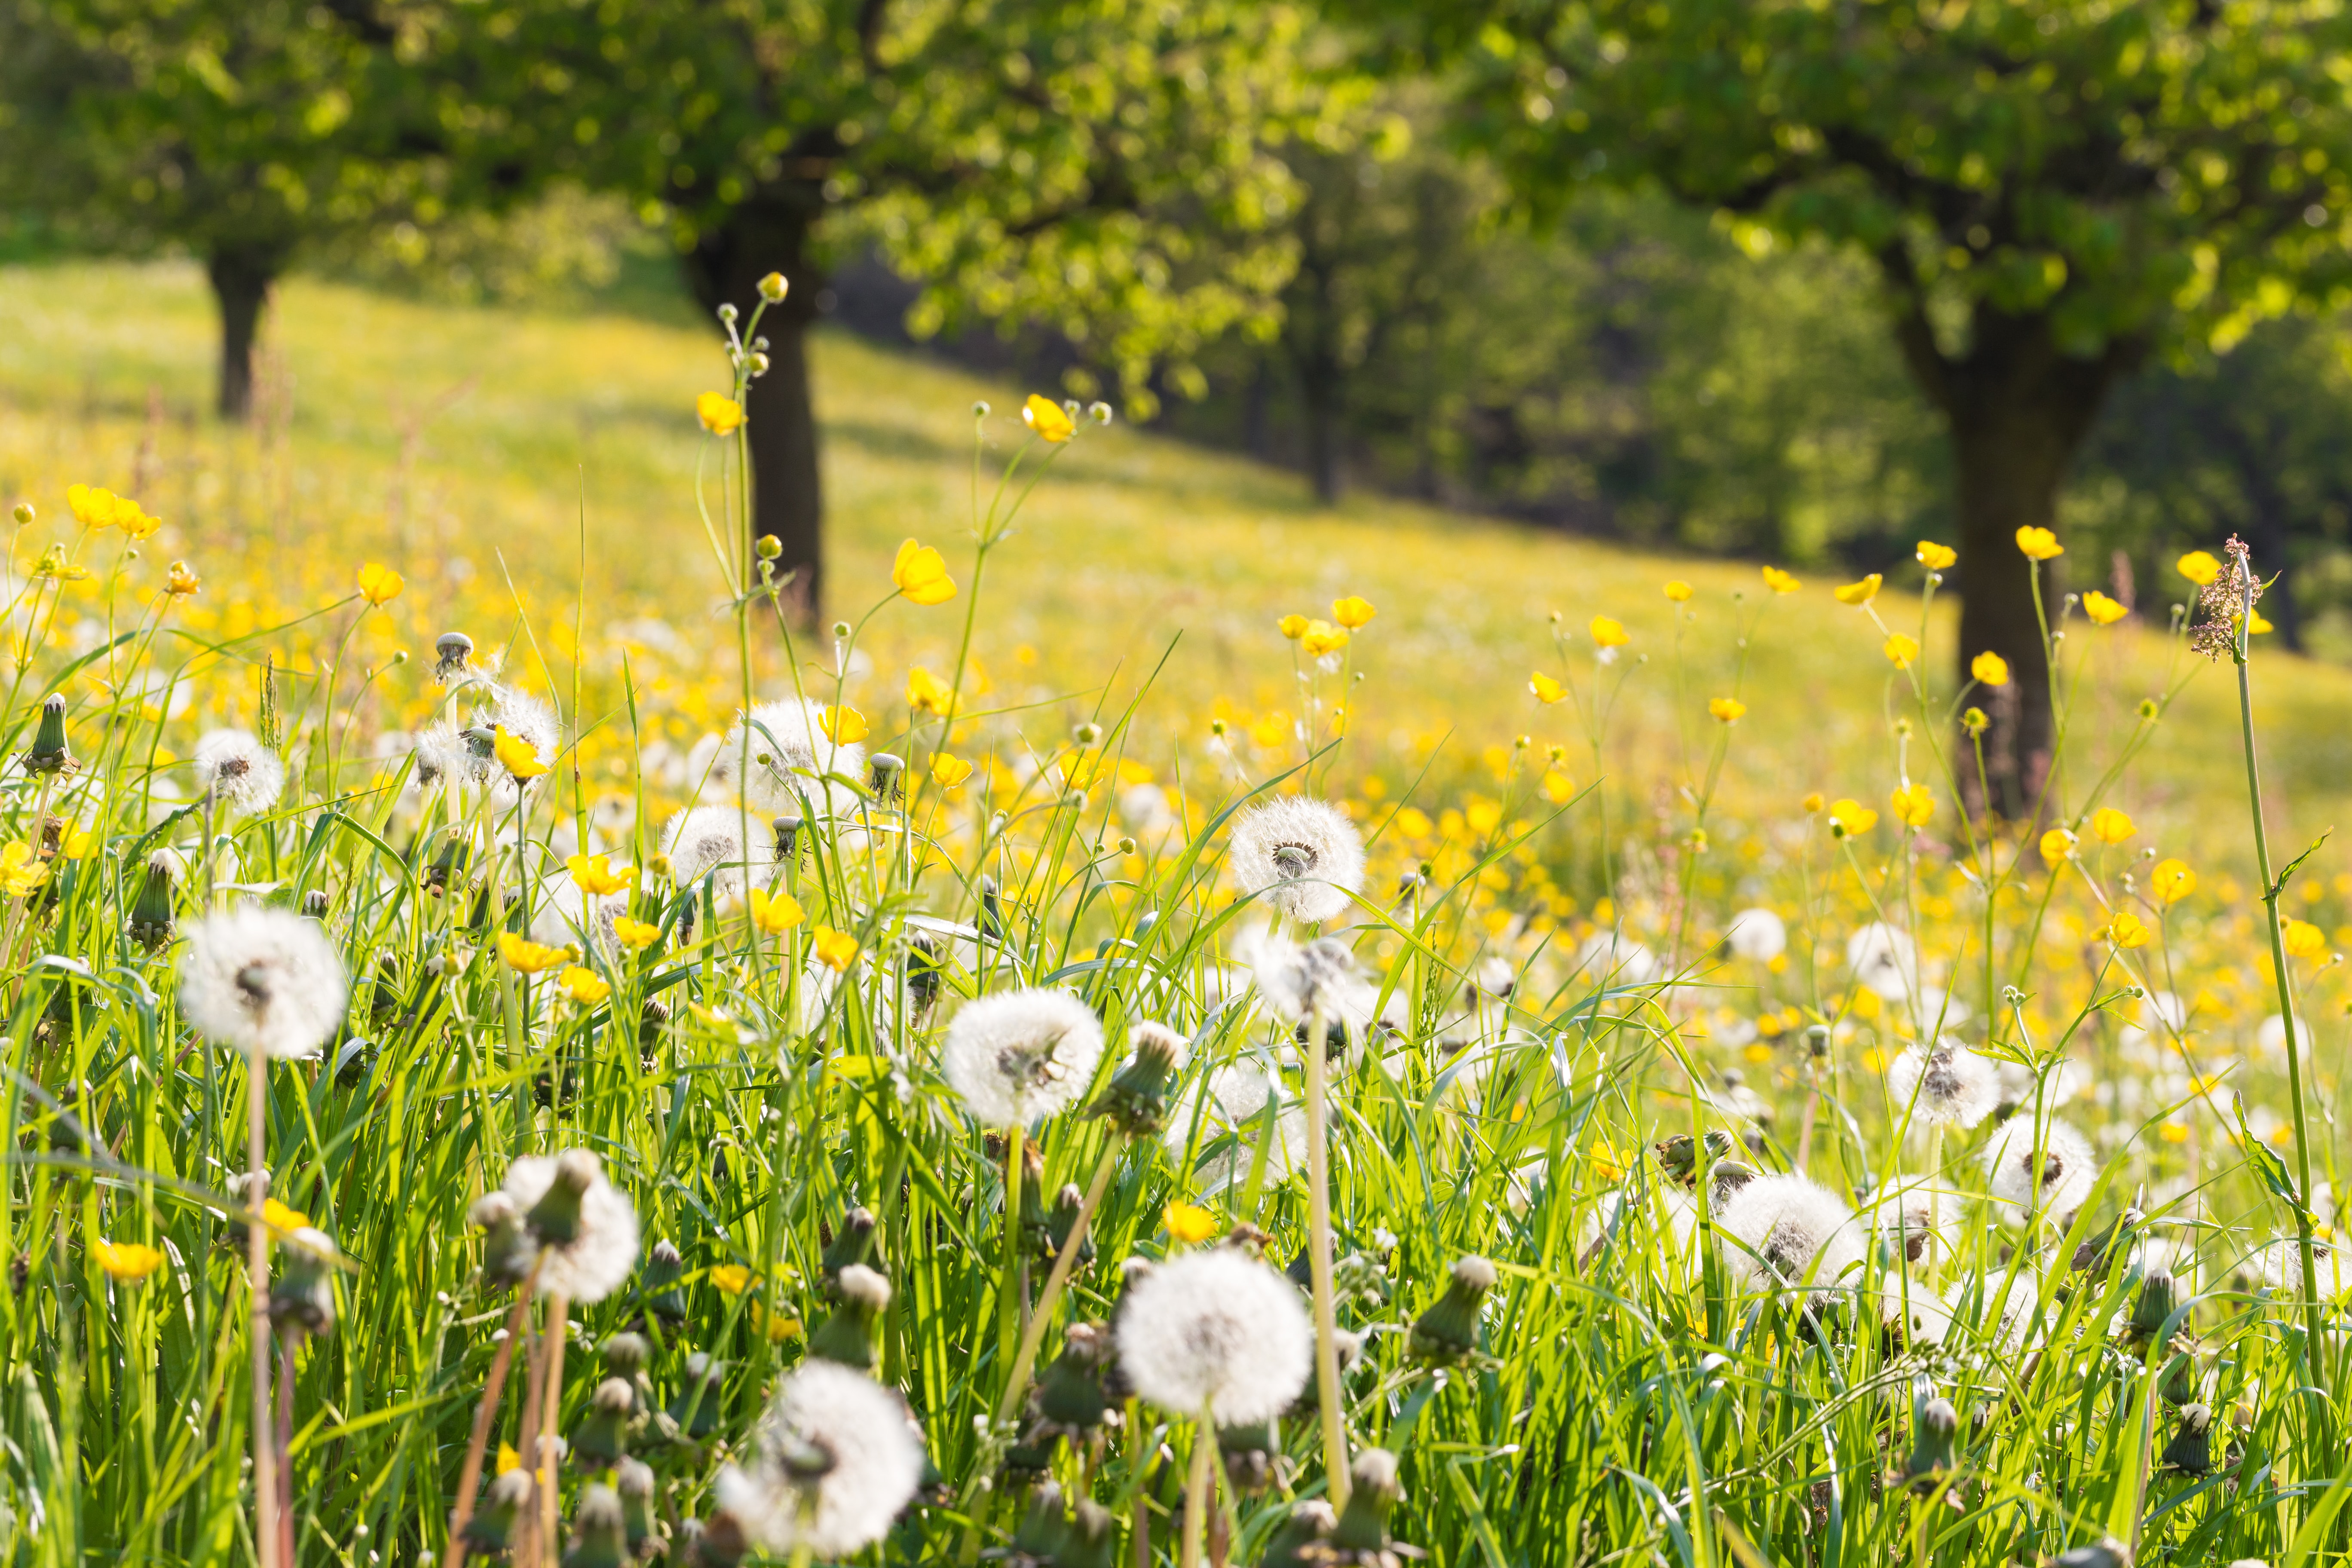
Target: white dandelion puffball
(238, 772)
(2000, 1304)
(265, 980)
(1792, 1231)
(2058, 1165)
(1217, 1330)
(1884, 960)
(1758, 935)
(1303, 854)
(602, 1249)
(1296, 981)
(442, 756)
(704, 840)
(1019, 1054)
(1910, 1211)
(528, 720)
(1950, 1084)
(789, 758)
(2280, 1265)
(835, 1460)
(1613, 957)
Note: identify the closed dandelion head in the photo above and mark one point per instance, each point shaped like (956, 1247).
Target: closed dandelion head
(1448, 1333)
(2050, 1174)
(453, 658)
(1019, 1054)
(238, 772)
(1303, 854)
(301, 1290)
(1360, 1538)
(263, 979)
(587, 1225)
(1136, 1100)
(1788, 1231)
(1216, 1330)
(791, 758)
(847, 1335)
(154, 913)
(491, 1528)
(599, 1530)
(1950, 1084)
(833, 1462)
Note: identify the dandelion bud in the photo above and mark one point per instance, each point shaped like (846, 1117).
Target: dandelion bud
(48, 755)
(507, 1250)
(1361, 1536)
(1934, 1425)
(1135, 1101)
(555, 1218)
(1817, 1041)
(1044, 1530)
(302, 1291)
(625, 1356)
(603, 1437)
(491, 1526)
(991, 912)
(1678, 1154)
(1448, 1333)
(658, 1285)
(888, 771)
(1252, 1454)
(849, 1246)
(2098, 1253)
(2191, 1448)
(153, 914)
(847, 1336)
(599, 1530)
(2158, 1298)
(696, 1407)
(1069, 1401)
(23, 512)
(588, 1229)
(634, 1482)
(315, 904)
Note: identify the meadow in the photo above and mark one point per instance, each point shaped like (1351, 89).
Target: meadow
(1722, 1148)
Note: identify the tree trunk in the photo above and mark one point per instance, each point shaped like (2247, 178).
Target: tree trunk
(1319, 393)
(768, 235)
(241, 278)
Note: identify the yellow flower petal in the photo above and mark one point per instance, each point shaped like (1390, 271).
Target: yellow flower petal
(1989, 668)
(1545, 688)
(948, 772)
(530, 957)
(719, 413)
(1187, 1224)
(1727, 710)
(1321, 637)
(2055, 845)
(926, 693)
(2039, 544)
(836, 950)
(1678, 591)
(1780, 582)
(1913, 804)
(584, 986)
(516, 755)
(1292, 626)
(1851, 818)
(1352, 612)
(920, 574)
(380, 583)
(844, 726)
(1901, 650)
(127, 1261)
(635, 935)
(2109, 825)
(2197, 566)
(2127, 930)
(1936, 557)
(597, 877)
(775, 913)
(2172, 880)
(2102, 610)
(1049, 419)
(1860, 593)
(1609, 633)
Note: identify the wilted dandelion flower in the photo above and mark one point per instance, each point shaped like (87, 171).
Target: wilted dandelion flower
(833, 1462)
(2058, 1166)
(263, 979)
(1216, 1330)
(1758, 935)
(793, 755)
(587, 1225)
(1950, 1084)
(1788, 1231)
(238, 772)
(1302, 854)
(1019, 1054)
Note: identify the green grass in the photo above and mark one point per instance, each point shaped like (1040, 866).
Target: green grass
(1631, 1399)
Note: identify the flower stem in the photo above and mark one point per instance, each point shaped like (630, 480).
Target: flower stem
(257, 1254)
(556, 1331)
(469, 1474)
(1198, 1485)
(1318, 1263)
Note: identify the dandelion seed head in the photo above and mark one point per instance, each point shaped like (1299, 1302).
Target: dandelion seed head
(602, 1248)
(240, 773)
(790, 757)
(1950, 1084)
(1758, 935)
(442, 756)
(1298, 981)
(1019, 1054)
(1886, 960)
(833, 1462)
(703, 840)
(264, 980)
(1793, 1232)
(1303, 854)
(2059, 1166)
(1217, 1330)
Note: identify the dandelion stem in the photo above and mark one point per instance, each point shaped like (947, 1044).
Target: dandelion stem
(469, 1474)
(1197, 1486)
(257, 1254)
(556, 1332)
(1318, 1263)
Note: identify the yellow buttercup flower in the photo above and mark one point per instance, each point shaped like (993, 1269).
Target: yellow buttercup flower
(2257, 624)
(1678, 591)
(182, 581)
(516, 755)
(584, 986)
(529, 957)
(2305, 940)
(775, 913)
(1727, 710)
(2102, 610)
(1606, 1161)
(134, 519)
(1545, 688)
(1901, 650)
(278, 1219)
(127, 1261)
(2055, 845)
(1989, 668)
(719, 413)
(1936, 557)
(1353, 612)
(94, 508)
(1860, 593)
(1849, 818)
(926, 693)
(732, 1279)
(836, 950)
(597, 877)
(2109, 825)
(2039, 544)
(948, 772)
(1780, 582)
(1049, 419)
(635, 935)
(919, 572)
(1607, 633)
(510, 1458)
(2172, 880)
(1187, 1224)
(1814, 801)
(2127, 930)
(75, 842)
(1321, 637)
(22, 873)
(844, 726)
(2197, 566)
(1913, 804)
(379, 583)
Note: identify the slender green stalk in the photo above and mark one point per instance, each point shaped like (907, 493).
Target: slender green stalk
(1318, 1263)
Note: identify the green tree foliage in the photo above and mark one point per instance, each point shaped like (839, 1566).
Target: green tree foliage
(1100, 166)
(244, 131)
(2050, 191)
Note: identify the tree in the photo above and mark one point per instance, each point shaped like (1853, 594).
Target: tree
(2051, 192)
(242, 130)
(1102, 167)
